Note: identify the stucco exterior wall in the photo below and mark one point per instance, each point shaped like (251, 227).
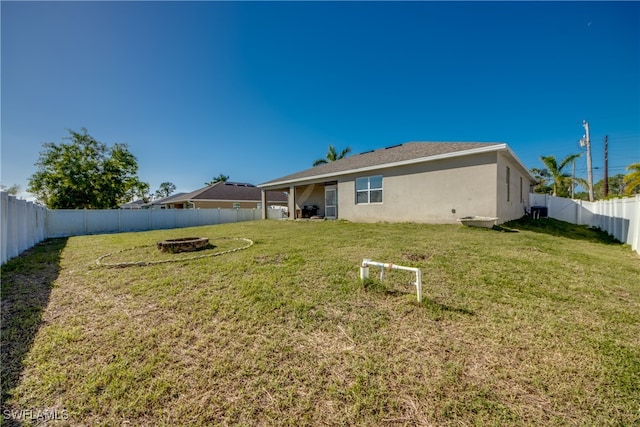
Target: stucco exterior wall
(513, 197)
(434, 192)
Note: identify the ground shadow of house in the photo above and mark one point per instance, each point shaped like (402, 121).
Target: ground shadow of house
(559, 228)
(26, 287)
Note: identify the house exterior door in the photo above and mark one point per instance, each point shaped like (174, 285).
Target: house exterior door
(331, 202)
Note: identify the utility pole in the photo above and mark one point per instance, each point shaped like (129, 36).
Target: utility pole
(606, 165)
(586, 141)
(573, 178)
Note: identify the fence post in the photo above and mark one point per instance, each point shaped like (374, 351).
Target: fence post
(4, 217)
(635, 239)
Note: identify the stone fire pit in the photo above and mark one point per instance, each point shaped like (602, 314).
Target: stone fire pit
(186, 244)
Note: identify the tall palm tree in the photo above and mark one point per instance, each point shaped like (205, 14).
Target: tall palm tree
(332, 156)
(561, 179)
(632, 179)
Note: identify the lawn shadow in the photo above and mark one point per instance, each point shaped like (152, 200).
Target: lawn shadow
(559, 228)
(503, 229)
(26, 287)
(439, 308)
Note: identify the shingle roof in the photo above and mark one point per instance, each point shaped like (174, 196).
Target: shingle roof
(236, 191)
(384, 156)
(166, 200)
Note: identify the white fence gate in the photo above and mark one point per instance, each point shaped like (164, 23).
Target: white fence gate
(25, 223)
(618, 217)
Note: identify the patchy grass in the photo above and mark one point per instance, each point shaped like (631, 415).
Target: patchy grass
(519, 328)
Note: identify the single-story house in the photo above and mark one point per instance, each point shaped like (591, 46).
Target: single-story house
(429, 182)
(227, 195)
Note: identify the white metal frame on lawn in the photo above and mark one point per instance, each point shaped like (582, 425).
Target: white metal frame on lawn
(366, 263)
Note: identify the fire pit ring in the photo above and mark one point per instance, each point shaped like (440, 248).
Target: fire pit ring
(186, 244)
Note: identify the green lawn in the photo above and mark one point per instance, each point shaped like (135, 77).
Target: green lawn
(533, 324)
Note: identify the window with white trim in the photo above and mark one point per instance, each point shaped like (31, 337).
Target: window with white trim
(236, 206)
(369, 189)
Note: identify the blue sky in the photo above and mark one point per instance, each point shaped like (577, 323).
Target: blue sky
(259, 90)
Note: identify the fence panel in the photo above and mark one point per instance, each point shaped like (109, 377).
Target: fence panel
(101, 221)
(23, 225)
(209, 216)
(160, 219)
(618, 217)
(65, 222)
(134, 220)
(68, 222)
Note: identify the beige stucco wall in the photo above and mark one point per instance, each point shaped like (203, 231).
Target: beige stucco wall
(511, 206)
(434, 192)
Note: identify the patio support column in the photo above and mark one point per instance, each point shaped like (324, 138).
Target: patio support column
(264, 214)
(292, 202)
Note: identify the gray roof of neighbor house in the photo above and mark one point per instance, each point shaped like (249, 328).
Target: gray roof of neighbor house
(231, 191)
(396, 155)
(165, 200)
(133, 205)
(142, 204)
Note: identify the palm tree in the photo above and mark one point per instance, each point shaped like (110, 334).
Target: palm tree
(632, 179)
(332, 156)
(219, 178)
(542, 180)
(561, 180)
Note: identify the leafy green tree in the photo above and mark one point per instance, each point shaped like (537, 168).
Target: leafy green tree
(13, 190)
(85, 174)
(632, 179)
(165, 190)
(616, 187)
(561, 181)
(219, 178)
(139, 192)
(332, 156)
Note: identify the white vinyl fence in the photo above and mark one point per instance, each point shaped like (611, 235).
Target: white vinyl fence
(25, 223)
(618, 217)
(72, 222)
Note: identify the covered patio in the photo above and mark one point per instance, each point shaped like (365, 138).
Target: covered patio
(309, 200)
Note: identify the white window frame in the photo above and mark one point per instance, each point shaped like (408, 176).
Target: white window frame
(236, 205)
(369, 189)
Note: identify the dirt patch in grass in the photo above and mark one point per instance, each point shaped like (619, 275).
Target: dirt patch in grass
(515, 329)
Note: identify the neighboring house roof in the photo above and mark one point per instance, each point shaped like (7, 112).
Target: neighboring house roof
(396, 155)
(165, 200)
(140, 204)
(136, 204)
(231, 191)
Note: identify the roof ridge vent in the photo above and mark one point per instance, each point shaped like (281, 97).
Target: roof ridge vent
(393, 146)
(238, 184)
